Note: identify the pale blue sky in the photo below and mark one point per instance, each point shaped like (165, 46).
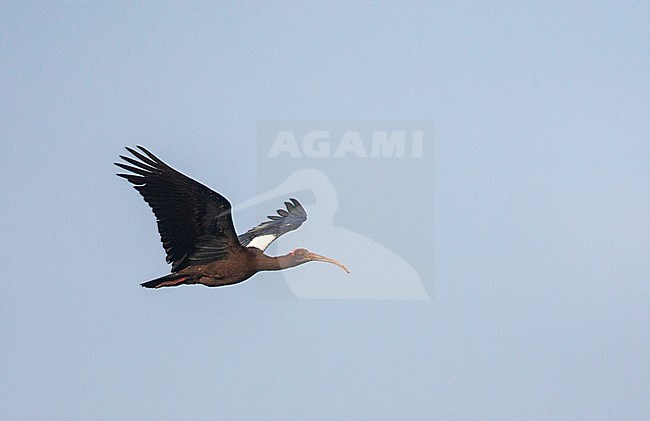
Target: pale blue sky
(540, 298)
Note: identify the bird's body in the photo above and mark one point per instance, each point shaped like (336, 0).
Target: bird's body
(197, 231)
(243, 263)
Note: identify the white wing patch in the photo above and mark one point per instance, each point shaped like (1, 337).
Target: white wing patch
(262, 242)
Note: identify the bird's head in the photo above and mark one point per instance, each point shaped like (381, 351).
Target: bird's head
(300, 256)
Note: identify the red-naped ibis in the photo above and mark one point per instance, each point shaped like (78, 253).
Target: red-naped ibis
(197, 231)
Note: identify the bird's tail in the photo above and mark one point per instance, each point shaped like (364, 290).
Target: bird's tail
(171, 280)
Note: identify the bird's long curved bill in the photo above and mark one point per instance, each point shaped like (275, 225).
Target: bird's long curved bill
(319, 258)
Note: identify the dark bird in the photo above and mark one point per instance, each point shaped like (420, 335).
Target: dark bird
(197, 231)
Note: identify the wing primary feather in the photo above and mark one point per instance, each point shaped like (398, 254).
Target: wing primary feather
(298, 206)
(137, 163)
(141, 157)
(133, 169)
(153, 157)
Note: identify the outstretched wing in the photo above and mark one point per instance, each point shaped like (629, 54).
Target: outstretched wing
(194, 222)
(265, 233)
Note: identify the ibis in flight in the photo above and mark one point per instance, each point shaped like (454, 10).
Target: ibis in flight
(197, 231)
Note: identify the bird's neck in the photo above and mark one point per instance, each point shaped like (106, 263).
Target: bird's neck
(264, 262)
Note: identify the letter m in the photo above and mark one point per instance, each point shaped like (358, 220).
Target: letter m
(388, 144)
